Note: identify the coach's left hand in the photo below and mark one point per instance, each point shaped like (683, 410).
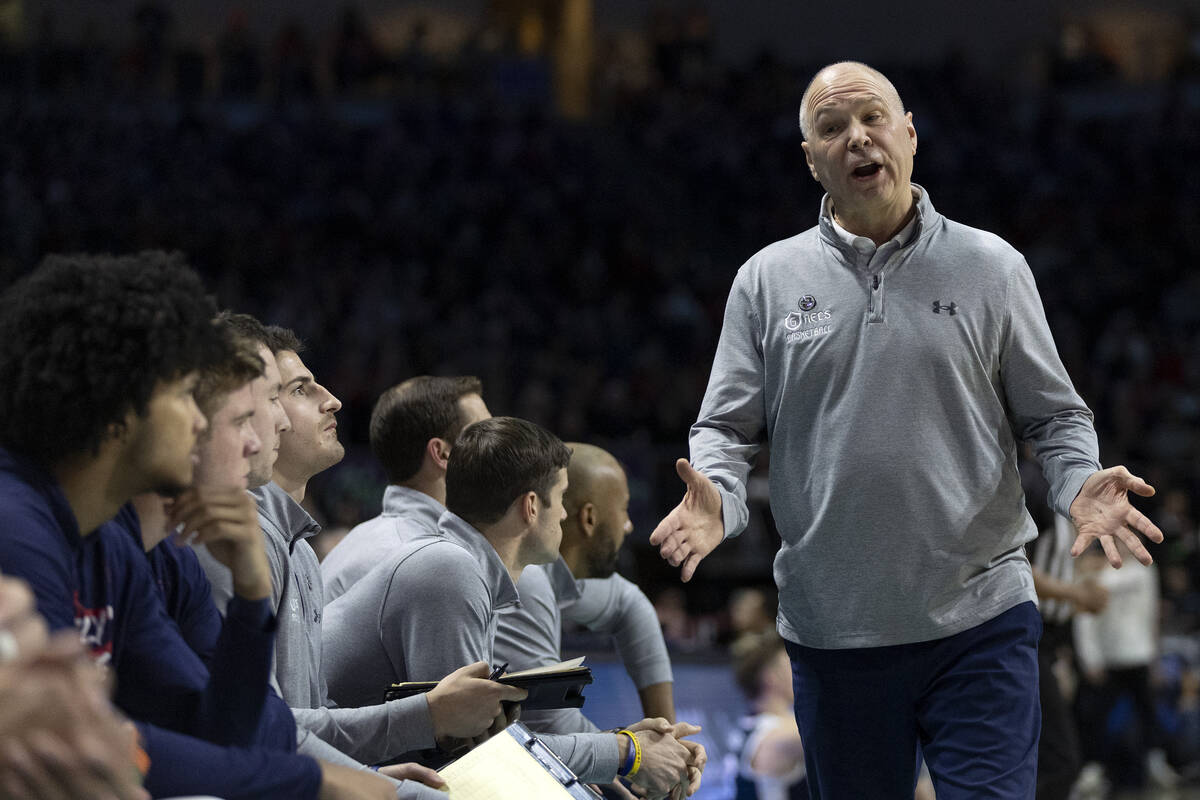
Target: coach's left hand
(1102, 511)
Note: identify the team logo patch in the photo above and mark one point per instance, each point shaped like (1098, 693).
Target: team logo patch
(807, 323)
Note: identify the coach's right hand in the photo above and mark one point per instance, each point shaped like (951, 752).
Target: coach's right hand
(465, 704)
(694, 527)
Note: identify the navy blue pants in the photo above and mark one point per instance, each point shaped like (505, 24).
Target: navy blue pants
(968, 703)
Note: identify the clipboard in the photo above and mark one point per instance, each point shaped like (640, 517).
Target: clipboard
(513, 765)
(558, 686)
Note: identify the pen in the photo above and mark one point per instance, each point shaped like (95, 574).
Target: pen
(498, 671)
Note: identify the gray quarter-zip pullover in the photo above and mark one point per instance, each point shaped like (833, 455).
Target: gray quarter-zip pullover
(893, 384)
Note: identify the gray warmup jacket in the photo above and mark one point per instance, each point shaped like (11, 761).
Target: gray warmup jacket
(371, 734)
(407, 513)
(427, 609)
(529, 633)
(893, 388)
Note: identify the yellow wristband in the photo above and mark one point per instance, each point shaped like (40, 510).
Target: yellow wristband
(637, 752)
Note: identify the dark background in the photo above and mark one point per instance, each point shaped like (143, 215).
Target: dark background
(555, 196)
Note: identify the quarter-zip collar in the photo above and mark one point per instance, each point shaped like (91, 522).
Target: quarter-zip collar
(290, 519)
(562, 580)
(500, 584)
(413, 506)
(921, 225)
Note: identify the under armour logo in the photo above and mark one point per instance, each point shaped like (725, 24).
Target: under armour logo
(939, 308)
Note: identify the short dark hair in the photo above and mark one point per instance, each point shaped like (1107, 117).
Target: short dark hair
(409, 414)
(239, 365)
(279, 338)
(243, 326)
(85, 339)
(497, 460)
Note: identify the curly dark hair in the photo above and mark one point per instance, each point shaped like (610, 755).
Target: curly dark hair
(84, 340)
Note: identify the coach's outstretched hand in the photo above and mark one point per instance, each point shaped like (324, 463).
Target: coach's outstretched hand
(1102, 511)
(694, 527)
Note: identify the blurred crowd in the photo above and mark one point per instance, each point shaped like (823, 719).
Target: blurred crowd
(420, 214)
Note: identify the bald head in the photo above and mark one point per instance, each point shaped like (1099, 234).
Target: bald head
(589, 466)
(828, 75)
(597, 506)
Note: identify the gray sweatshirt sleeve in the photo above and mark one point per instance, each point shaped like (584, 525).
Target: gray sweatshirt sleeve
(307, 743)
(729, 429)
(616, 606)
(558, 720)
(372, 733)
(436, 614)
(1043, 406)
(591, 756)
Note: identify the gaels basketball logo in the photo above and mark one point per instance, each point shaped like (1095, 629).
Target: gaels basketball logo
(808, 315)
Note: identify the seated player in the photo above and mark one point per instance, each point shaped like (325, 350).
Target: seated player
(413, 428)
(582, 587)
(102, 354)
(432, 605)
(465, 704)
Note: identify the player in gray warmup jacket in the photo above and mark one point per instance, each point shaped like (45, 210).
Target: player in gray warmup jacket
(352, 736)
(413, 427)
(582, 586)
(893, 359)
(431, 605)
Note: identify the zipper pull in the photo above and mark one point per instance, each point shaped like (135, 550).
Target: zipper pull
(875, 283)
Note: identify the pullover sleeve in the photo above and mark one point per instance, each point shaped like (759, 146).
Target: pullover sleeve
(312, 746)
(182, 765)
(239, 673)
(1043, 406)
(435, 614)
(558, 720)
(192, 607)
(372, 734)
(591, 756)
(616, 606)
(161, 680)
(728, 431)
